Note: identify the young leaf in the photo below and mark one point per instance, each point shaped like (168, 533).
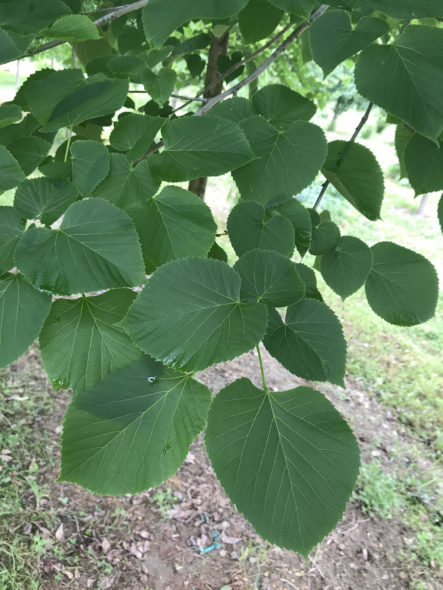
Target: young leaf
(160, 86)
(281, 106)
(324, 237)
(406, 78)
(10, 172)
(217, 253)
(307, 275)
(357, 175)
(190, 315)
(74, 28)
(44, 198)
(402, 287)
(11, 228)
(141, 419)
(287, 459)
(346, 268)
(9, 113)
(249, 228)
(309, 343)
(134, 134)
(23, 310)
(423, 161)
(258, 19)
(96, 247)
(162, 17)
(173, 224)
(300, 218)
(125, 186)
(269, 277)
(29, 152)
(288, 161)
(333, 40)
(81, 341)
(90, 165)
(200, 146)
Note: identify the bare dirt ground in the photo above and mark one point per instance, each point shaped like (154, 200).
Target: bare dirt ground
(187, 535)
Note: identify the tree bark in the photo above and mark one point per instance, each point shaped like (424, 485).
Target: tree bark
(219, 46)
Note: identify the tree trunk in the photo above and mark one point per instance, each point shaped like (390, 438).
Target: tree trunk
(219, 46)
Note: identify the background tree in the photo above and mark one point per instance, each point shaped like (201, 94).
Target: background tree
(95, 215)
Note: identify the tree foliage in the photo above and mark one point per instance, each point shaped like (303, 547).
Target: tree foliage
(120, 275)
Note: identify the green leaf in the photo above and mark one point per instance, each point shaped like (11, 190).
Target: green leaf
(217, 253)
(29, 152)
(409, 8)
(13, 46)
(423, 161)
(81, 341)
(125, 186)
(96, 247)
(406, 78)
(11, 228)
(346, 268)
(90, 165)
(258, 20)
(324, 237)
(9, 113)
(403, 135)
(159, 86)
(124, 65)
(23, 310)
(66, 99)
(190, 315)
(141, 421)
(309, 343)
(73, 27)
(288, 161)
(200, 146)
(333, 40)
(10, 172)
(162, 17)
(281, 106)
(300, 218)
(357, 175)
(288, 460)
(310, 280)
(173, 224)
(28, 16)
(249, 228)
(44, 198)
(440, 212)
(402, 287)
(269, 277)
(301, 8)
(134, 134)
(236, 109)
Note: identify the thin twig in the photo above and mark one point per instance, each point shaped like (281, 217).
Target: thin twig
(179, 96)
(100, 22)
(356, 133)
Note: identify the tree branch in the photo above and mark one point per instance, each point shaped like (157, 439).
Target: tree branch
(264, 66)
(356, 133)
(100, 22)
(255, 74)
(238, 65)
